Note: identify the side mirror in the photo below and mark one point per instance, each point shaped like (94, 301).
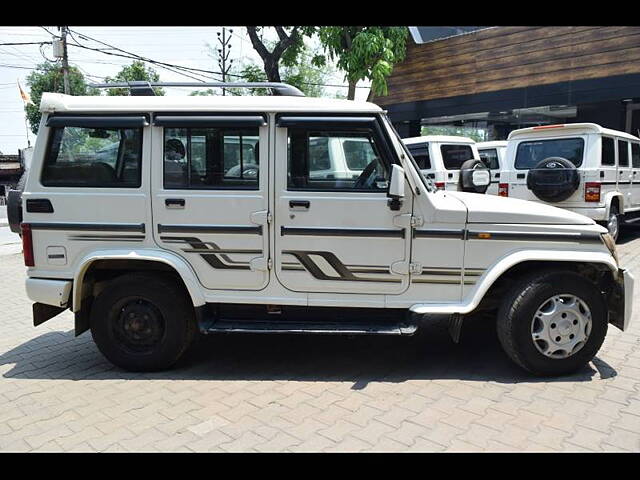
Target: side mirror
(396, 187)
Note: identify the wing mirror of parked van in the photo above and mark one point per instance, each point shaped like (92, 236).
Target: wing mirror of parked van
(396, 187)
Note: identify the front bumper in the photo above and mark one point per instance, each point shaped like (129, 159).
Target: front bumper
(621, 300)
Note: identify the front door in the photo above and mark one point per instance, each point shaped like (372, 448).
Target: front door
(337, 233)
(210, 196)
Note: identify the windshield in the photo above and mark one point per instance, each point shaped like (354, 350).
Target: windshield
(530, 153)
(428, 184)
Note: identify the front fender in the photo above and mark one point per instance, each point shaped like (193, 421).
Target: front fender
(178, 264)
(493, 273)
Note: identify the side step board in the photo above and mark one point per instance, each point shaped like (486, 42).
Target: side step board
(336, 328)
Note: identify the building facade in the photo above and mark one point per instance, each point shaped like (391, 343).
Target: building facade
(498, 79)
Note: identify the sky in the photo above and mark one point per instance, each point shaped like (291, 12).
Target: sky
(185, 46)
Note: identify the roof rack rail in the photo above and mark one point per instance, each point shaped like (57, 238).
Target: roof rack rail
(141, 88)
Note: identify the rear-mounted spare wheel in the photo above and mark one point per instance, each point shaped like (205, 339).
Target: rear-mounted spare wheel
(475, 177)
(553, 179)
(14, 210)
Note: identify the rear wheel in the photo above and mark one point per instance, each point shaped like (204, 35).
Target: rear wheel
(613, 222)
(552, 323)
(142, 322)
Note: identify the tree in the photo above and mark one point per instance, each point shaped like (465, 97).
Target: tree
(365, 53)
(137, 71)
(286, 48)
(47, 77)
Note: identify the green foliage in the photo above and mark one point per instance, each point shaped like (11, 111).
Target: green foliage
(366, 52)
(137, 71)
(47, 77)
(476, 134)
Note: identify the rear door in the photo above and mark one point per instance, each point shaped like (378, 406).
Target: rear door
(491, 159)
(210, 195)
(635, 174)
(624, 171)
(453, 156)
(337, 235)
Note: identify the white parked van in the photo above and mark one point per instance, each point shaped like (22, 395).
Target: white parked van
(210, 217)
(442, 158)
(493, 155)
(581, 167)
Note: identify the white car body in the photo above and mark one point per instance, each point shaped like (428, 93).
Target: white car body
(617, 184)
(440, 251)
(493, 155)
(430, 157)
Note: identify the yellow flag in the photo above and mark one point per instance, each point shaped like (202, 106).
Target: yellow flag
(25, 96)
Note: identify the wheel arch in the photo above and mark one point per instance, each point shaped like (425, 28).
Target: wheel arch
(611, 198)
(117, 261)
(508, 266)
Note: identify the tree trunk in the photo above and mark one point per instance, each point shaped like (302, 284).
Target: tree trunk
(351, 94)
(272, 70)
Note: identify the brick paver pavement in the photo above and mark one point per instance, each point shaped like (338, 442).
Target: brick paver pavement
(304, 394)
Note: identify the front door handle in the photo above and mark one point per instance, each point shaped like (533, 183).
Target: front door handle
(174, 202)
(300, 204)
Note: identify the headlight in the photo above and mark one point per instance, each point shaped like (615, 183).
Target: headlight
(611, 245)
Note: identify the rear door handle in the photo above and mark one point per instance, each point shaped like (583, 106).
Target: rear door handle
(299, 204)
(174, 202)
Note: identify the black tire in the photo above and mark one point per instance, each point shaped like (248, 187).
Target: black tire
(614, 222)
(138, 345)
(516, 315)
(466, 183)
(553, 179)
(14, 205)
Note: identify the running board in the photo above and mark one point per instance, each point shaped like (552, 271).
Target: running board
(338, 328)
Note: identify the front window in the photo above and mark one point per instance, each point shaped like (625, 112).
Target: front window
(453, 156)
(93, 157)
(530, 153)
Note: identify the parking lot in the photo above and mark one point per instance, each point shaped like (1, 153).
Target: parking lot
(278, 393)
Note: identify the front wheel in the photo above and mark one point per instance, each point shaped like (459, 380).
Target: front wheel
(552, 323)
(142, 322)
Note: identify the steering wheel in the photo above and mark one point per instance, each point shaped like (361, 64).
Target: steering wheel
(366, 178)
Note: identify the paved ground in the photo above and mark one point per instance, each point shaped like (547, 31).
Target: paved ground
(290, 393)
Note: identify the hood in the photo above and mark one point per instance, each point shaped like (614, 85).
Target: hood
(493, 209)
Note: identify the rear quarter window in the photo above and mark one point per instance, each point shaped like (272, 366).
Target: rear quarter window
(532, 152)
(453, 156)
(420, 153)
(490, 158)
(608, 151)
(93, 157)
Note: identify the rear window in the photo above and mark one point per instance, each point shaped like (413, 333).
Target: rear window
(420, 153)
(608, 151)
(93, 157)
(490, 158)
(623, 153)
(453, 156)
(635, 155)
(530, 153)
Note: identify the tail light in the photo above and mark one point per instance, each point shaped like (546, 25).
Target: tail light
(440, 185)
(592, 192)
(27, 244)
(503, 190)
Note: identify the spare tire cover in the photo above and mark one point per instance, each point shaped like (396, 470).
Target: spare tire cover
(14, 205)
(466, 176)
(553, 179)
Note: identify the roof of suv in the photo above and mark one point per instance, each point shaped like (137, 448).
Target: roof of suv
(570, 128)
(494, 144)
(57, 102)
(439, 139)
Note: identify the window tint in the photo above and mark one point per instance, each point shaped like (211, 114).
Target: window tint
(623, 153)
(635, 155)
(420, 153)
(335, 160)
(490, 158)
(529, 154)
(608, 151)
(93, 157)
(454, 156)
(209, 158)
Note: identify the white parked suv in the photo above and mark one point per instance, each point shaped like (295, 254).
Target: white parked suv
(493, 155)
(581, 167)
(154, 241)
(450, 162)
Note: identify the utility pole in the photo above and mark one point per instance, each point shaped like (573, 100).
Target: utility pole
(223, 54)
(65, 60)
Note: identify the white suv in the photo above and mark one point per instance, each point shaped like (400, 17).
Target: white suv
(493, 154)
(450, 162)
(155, 241)
(581, 167)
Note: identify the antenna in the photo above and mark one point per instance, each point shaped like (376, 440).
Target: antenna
(144, 88)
